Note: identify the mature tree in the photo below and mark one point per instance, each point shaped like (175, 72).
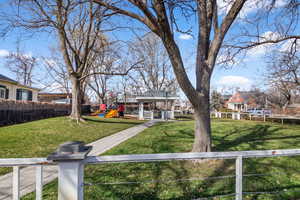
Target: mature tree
(155, 72)
(79, 28)
(275, 99)
(284, 73)
(22, 66)
(162, 17)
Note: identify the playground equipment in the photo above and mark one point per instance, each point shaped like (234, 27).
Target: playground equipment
(111, 114)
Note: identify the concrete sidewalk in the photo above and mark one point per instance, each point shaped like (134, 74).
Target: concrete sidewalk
(27, 174)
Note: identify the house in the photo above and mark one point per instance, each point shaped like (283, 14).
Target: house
(13, 90)
(242, 101)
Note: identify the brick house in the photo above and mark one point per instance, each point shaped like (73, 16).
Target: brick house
(242, 101)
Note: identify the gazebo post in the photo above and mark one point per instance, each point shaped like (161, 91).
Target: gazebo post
(172, 110)
(141, 111)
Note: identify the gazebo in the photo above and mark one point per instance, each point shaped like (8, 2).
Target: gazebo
(157, 96)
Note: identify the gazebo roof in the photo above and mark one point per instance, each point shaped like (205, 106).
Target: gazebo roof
(156, 95)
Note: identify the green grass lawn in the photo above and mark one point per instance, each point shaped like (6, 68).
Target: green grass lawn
(279, 174)
(39, 138)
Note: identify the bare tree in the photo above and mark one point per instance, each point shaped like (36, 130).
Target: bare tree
(216, 101)
(155, 72)
(56, 72)
(160, 17)
(22, 66)
(273, 24)
(77, 26)
(99, 82)
(284, 74)
(275, 99)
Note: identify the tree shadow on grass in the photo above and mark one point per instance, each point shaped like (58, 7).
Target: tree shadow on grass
(255, 137)
(170, 180)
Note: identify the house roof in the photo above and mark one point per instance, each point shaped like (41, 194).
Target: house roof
(241, 97)
(5, 78)
(246, 97)
(157, 93)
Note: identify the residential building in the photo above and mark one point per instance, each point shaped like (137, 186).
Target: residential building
(242, 101)
(13, 90)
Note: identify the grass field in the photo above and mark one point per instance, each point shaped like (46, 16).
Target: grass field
(276, 174)
(39, 138)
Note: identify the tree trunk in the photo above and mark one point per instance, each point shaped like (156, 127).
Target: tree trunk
(76, 99)
(199, 98)
(202, 141)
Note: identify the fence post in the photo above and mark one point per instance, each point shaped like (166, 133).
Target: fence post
(39, 182)
(238, 116)
(16, 183)
(152, 115)
(239, 178)
(69, 157)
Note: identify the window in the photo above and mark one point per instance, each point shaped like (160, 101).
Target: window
(2, 93)
(23, 94)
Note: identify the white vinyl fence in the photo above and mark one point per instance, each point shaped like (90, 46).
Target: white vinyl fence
(71, 170)
(248, 116)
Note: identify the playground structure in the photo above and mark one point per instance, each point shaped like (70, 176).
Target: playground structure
(112, 114)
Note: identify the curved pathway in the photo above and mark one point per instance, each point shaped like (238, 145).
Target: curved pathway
(27, 174)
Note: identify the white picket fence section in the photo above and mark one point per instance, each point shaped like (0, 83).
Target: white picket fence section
(71, 173)
(249, 116)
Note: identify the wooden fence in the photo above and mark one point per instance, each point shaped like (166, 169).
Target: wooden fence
(13, 112)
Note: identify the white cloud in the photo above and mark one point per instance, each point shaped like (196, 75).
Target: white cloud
(3, 53)
(231, 82)
(262, 49)
(288, 44)
(250, 6)
(185, 36)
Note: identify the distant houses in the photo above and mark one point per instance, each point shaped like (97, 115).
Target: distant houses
(243, 101)
(13, 90)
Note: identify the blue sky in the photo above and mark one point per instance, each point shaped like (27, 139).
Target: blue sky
(244, 75)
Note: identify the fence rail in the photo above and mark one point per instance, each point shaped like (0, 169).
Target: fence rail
(71, 173)
(247, 116)
(188, 156)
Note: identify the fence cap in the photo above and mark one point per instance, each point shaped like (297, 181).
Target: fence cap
(68, 151)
